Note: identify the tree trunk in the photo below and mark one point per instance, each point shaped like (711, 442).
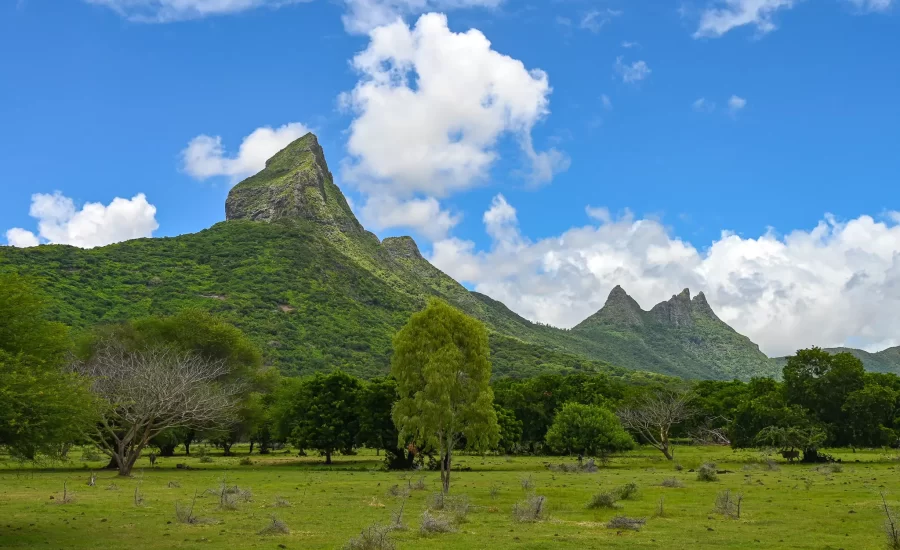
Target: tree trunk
(227, 448)
(188, 439)
(668, 454)
(251, 447)
(113, 465)
(327, 457)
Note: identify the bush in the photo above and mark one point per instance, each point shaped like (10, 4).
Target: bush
(707, 472)
(604, 499)
(281, 502)
(530, 510)
(455, 506)
(729, 505)
(673, 482)
(90, 454)
(206, 459)
(376, 537)
(246, 461)
(275, 527)
(628, 491)
(435, 523)
(623, 522)
(678, 467)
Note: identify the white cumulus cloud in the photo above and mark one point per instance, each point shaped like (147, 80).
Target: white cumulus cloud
(166, 11)
(204, 157)
(837, 283)
(703, 105)
(631, 73)
(430, 108)
(725, 15)
(95, 224)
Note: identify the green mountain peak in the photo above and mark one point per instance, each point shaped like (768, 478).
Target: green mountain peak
(295, 184)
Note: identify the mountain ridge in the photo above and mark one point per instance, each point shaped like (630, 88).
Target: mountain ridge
(293, 267)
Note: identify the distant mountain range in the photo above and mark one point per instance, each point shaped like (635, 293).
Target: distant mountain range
(293, 268)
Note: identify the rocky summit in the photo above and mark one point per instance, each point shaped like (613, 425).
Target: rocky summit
(294, 269)
(295, 184)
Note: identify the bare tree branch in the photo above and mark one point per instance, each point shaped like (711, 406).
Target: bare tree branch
(149, 391)
(654, 415)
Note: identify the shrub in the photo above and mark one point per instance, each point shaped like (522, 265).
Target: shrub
(707, 472)
(623, 522)
(729, 505)
(456, 506)
(246, 461)
(678, 467)
(174, 485)
(397, 491)
(185, 513)
(418, 485)
(527, 483)
(435, 523)
(494, 492)
(530, 510)
(275, 527)
(90, 454)
(376, 537)
(281, 502)
(660, 508)
(604, 499)
(628, 491)
(206, 459)
(891, 528)
(673, 482)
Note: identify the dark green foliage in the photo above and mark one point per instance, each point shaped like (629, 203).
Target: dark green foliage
(587, 429)
(322, 413)
(376, 427)
(510, 430)
(42, 407)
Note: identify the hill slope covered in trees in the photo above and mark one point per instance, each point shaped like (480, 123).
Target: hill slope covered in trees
(294, 269)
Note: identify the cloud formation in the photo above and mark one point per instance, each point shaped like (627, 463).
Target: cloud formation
(167, 11)
(204, 157)
(837, 283)
(95, 224)
(631, 73)
(736, 103)
(725, 15)
(364, 16)
(430, 108)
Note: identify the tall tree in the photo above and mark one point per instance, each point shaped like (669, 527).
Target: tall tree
(42, 406)
(442, 366)
(654, 415)
(587, 429)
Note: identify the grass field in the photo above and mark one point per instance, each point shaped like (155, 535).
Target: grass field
(795, 506)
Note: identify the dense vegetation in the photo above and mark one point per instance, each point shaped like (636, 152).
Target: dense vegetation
(294, 270)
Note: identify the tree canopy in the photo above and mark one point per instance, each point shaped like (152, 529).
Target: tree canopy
(587, 430)
(442, 366)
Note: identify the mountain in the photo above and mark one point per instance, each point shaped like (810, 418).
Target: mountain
(294, 269)
(680, 335)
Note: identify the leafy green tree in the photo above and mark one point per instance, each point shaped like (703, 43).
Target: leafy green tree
(42, 406)
(510, 430)
(821, 382)
(587, 429)
(442, 366)
(376, 427)
(322, 413)
(871, 412)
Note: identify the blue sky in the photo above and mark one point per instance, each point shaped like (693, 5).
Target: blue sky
(682, 120)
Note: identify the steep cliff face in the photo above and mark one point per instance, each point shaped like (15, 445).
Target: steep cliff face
(297, 184)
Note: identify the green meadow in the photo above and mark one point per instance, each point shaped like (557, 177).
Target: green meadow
(782, 506)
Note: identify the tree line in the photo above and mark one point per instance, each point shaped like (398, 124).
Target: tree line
(159, 382)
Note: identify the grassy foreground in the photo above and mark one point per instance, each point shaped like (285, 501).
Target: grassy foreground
(795, 506)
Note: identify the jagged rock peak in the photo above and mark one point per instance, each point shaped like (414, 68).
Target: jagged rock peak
(619, 309)
(402, 247)
(295, 183)
(676, 311)
(699, 306)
